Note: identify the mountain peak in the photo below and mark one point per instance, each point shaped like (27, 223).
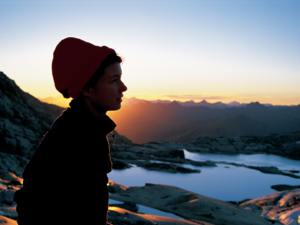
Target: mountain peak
(255, 105)
(174, 104)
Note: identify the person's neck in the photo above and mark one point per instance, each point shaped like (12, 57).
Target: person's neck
(98, 113)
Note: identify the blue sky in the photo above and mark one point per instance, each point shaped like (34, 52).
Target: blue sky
(215, 50)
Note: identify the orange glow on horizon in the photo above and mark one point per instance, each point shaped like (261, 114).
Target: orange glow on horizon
(280, 100)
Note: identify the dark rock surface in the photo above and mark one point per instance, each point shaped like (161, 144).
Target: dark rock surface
(163, 167)
(281, 206)
(119, 216)
(119, 164)
(284, 187)
(186, 204)
(263, 169)
(283, 144)
(9, 212)
(23, 119)
(126, 205)
(157, 156)
(7, 221)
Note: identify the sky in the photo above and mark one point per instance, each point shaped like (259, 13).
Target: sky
(245, 50)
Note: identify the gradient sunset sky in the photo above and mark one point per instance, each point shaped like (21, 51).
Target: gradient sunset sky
(242, 50)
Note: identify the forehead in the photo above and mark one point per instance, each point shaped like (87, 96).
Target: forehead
(113, 70)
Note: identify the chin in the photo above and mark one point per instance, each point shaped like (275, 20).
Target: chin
(115, 108)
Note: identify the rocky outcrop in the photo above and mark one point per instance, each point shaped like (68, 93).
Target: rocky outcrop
(7, 221)
(263, 169)
(23, 119)
(9, 184)
(163, 157)
(9, 212)
(284, 144)
(119, 216)
(186, 204)
(163, 167)
(282, 206)
(284, 187)
(116, 216)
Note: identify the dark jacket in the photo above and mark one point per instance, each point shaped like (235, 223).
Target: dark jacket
(65, 182)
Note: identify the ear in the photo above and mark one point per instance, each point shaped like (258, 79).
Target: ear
(87, 91)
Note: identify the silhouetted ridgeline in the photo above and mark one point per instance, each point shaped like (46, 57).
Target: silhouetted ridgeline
(146, 121)
(23, 119)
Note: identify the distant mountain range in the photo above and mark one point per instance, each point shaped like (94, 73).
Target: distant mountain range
(61, 101)
(144, 121)
(191, 103)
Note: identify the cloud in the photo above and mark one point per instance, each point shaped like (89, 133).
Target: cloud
(195, 97)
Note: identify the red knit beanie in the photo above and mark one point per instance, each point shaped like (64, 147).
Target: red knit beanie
(74, 62)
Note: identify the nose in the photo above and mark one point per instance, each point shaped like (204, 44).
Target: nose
(123, 87)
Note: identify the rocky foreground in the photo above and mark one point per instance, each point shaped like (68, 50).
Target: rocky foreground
(24, 120)
(277, 208)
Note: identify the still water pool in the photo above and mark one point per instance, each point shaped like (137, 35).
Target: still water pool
(227, 184)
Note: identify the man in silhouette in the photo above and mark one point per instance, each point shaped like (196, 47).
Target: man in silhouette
(65, 182)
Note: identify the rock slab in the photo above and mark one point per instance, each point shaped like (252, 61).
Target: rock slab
(186, 204)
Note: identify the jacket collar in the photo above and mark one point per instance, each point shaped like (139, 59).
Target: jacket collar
(78, 112)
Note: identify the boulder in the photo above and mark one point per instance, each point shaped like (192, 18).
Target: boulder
(7, 221)
(119, 165)
(281, 206)
(187, 204)
(174, 153)
(126, 205)
(10, 177)
(283, 144)
(226, 149)
(12, 163)
(7, 198)
(9, 212)
(163, 167)
(125, 155)
(119, 216)
(263, 169)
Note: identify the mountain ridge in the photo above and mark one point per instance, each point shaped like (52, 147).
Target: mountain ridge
(63, 102)
(145, 121)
